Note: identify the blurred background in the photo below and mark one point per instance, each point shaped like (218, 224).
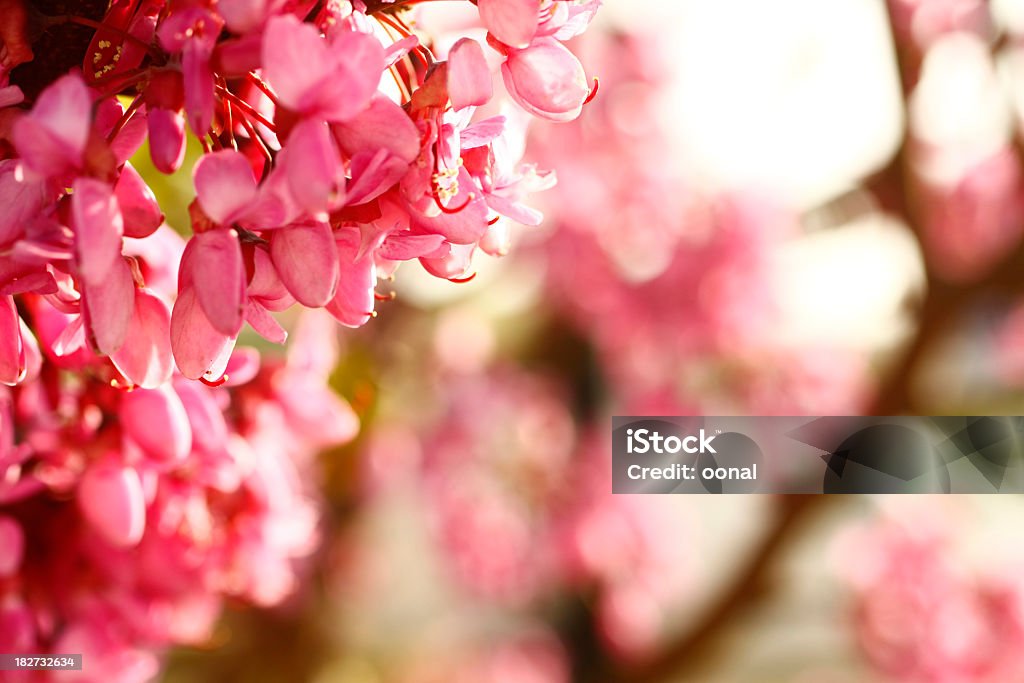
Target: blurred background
(793, 207)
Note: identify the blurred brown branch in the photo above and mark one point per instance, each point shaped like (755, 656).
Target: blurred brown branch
(752, 583)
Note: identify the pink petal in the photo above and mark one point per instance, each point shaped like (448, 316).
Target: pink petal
(399, 49)
(42, 151)
(209, 430)
(546, 80)
(11, 94)
(109, 304)
(455, 264)
(236, 57)
(71, 338)
(264, 323)
(198, 78)
(145, 358)
(98, 229)
(218, 276)
(295, 60)
(513, 22)
(32, 359)
(467, 221)
(225, 185)
(12, 369)
(130, 138)
(358, 63)
(166, 139)
(517, 211)
(199, 349)
(243, 366)
(482, 132)
(242, 16)
(402, 247)
(156, 420)
(498, 239)
(306, 260)
(373, 174)
(111, 499)
(353, 302)
(12, 546)
(382, 125)
(314, 348)
(316, 177)
(21, 199)
(266, 286)
(469, 79)
(65, 110)
(139, 208)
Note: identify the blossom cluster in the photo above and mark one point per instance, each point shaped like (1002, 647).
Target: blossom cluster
(921, 612)
(520, 510)
(336, 144)
(128, 518)
(316, 176)
(671, 282)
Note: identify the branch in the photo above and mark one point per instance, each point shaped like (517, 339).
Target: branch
(750, 586)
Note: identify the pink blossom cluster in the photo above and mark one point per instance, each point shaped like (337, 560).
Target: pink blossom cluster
(129, 517)
(922, 614)
(520, 507)
(671, 283)
(336, 145)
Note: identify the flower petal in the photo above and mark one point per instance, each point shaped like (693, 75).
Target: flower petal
(264, 323)
(295, 60)
(109, 304)
(112, 500)
(139, 209)
(316, 177)
(11, 368)
(199, 349)
(12, 540)
(353, 302)
(358, 61)
(306, 260)
(382, 125)
(65, 110)
(198, 78)
(225, 185)
(218, 276)
(469, 79)
(465, 220)
(145, 358)
(513, 22)
(546, 80)
(99, 227)
(166, 139)
(21, 197)
(156, 420)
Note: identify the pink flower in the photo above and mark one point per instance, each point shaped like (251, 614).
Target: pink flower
(331, 80)
(306, 259)
(469, 80)
(546, 80)
(353, 301)
(112, 501)
(193, 33)
(51, 139)
(208, 313)
(513, 22)
(19, 355)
